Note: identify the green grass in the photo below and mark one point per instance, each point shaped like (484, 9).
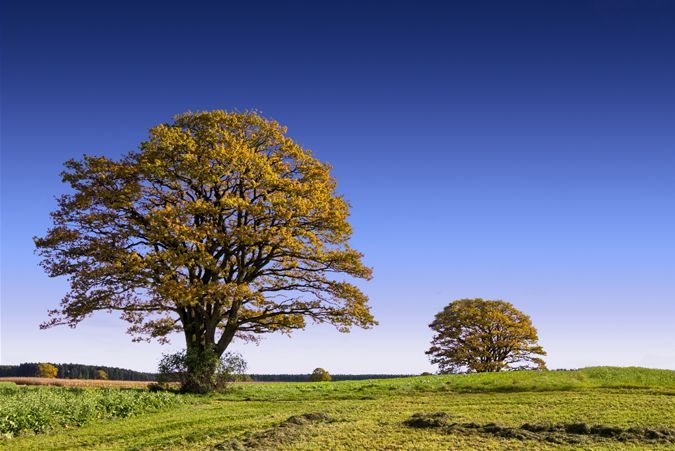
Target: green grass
(631, 377)
(371, 414)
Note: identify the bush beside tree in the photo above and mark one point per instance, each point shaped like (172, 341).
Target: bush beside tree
(201, 372)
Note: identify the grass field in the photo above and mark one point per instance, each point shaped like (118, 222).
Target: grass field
(593, 408)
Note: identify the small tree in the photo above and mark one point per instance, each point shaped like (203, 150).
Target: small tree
(320, 375)
(47, 370)
(479, 335)
(101, 374)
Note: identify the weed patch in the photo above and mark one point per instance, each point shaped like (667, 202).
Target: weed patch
(34, 410)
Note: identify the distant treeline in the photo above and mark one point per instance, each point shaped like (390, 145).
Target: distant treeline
(76, 371)
(335, 377)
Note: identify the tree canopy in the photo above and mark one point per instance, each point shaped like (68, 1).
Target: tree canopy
(219, 226)
(479, 335)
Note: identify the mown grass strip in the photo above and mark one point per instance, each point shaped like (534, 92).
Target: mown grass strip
(558, 433)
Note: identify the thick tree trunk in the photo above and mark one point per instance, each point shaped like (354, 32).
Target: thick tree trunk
(198, 371)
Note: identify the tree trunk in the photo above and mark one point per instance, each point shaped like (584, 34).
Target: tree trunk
(200, 357)
(203, 352)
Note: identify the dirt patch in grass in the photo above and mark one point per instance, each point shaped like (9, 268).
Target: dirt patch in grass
(286, 432)
(561, 433)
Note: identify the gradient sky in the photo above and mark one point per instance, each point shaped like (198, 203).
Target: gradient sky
(511, 150)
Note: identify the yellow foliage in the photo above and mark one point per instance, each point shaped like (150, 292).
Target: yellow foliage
(320, 375)
(484, 336)
(220, 226)
(47, 370)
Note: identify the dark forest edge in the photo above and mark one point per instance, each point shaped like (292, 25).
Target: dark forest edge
(76, 371)
(80, 371)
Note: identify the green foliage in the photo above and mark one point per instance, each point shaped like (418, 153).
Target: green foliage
(320, 375)
(102, 374)
(477, 335)
(39, 409)
(201, 371)
(47, 370)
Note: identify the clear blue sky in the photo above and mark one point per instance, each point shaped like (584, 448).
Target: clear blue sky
(513, 150)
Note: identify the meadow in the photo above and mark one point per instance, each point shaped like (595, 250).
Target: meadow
(592, 408)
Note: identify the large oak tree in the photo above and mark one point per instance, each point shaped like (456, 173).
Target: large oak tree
(220, 226)
(480, 335)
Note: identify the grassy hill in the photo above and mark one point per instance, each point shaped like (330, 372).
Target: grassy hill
(591, 408)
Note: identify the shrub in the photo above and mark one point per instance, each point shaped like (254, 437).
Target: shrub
(320, 375)
(201, 372)
(101, 374)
